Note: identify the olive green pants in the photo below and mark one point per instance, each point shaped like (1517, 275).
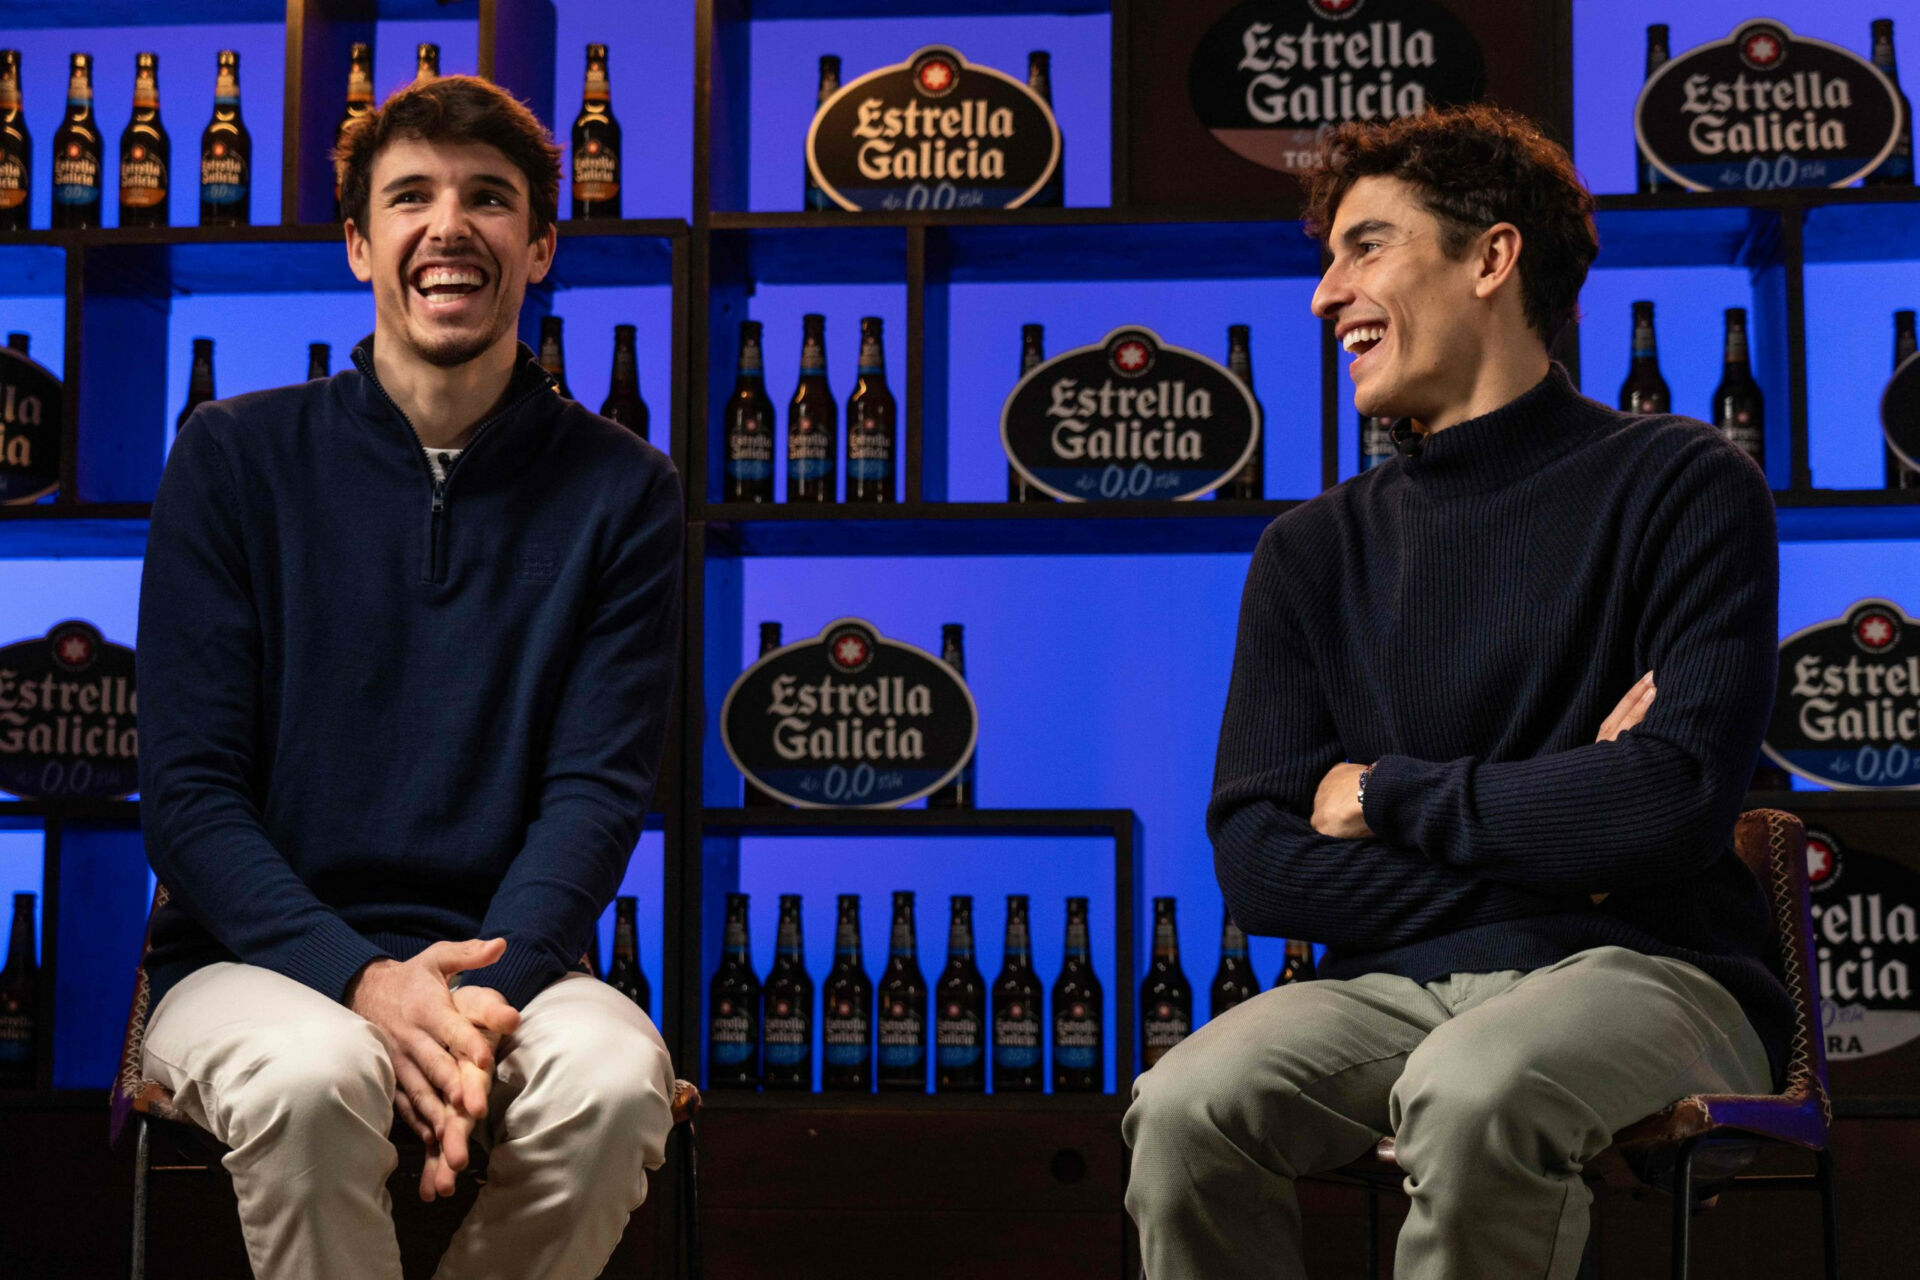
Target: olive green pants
(1498, 1087)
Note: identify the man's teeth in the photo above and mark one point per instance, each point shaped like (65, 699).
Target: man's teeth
(1365, 334)
(449, 277)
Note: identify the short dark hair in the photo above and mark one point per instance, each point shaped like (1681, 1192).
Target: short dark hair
(452, 109)
(1474, 166)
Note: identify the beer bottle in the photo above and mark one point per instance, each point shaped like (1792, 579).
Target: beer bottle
(812, 197)
(1234, 981)
(199, 380)
(145, 176)
(319, 361)
(1737, 406)
(1298, 965)
(76, 153)
(20, 342)
(1032, 353)
(753, 796)
(359, 102)
(596, 145)
(426, 63)
(960, 1004)
(1250, 482)
(625, 974)
(1376, 441)
(1052, 194)
(16, 148)
(1166, 998)
(787, 1026)
(1648, 178)
(19, 991)
(1899, 474)
(1897, 169)
(594, 966)
(813, 421)
(623, 403)
(961, 792)
(871, 417)
(903, 1007)
(748, 423)
(1016, 1009)
(226, 152)
(553, 354)
(733, 1008)
(1078, 1046)
(1644, 391)
(847, 1008)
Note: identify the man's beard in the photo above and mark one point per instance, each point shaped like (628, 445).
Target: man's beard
(457, 349)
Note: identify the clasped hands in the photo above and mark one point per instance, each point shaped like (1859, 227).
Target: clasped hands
(441, 1041)
(1336, 803)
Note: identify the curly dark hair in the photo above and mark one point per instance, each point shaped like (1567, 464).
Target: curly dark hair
(1474, 166)
(452, 109)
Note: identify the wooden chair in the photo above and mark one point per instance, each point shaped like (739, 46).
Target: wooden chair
(149, 1105)
(1698, 1145)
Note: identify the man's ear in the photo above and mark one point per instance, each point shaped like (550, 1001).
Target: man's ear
(1497, 256)
(544, 247)
(359, 252)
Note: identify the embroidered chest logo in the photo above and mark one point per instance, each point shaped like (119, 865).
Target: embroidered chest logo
(539, 562)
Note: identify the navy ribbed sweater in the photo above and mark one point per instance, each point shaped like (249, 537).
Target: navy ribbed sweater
(1464, 619)
(378, 713)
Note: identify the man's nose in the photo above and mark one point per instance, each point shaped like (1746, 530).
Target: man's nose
(450, 222)
(1331, 293)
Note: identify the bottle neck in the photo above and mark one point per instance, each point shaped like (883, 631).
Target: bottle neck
(1166, 941)
(751, 367)
(786, 944)
(1644, 350)
(626, 369)
(597, 91)
(1656, 57)
(1030, 356)
(1736, 352)
(736, 942)
(829, 85)
(873, 361)
(1904, 343)
(10, 88)
(146, 97)
(813, 357)
(1233, 941)
(80, 93)
(1078, 948)
(625, 945)
(954, 656)
(20, 945)
(1883, 57)
(846, 942)
(200, 380)
(901, 946)
(960, 941)
(1019, 945)
(226, 94)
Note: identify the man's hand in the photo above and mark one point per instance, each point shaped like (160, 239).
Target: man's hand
(1631, 710)
(1336, 805)
(449, 1149)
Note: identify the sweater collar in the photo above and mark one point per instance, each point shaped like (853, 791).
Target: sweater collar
(1501, 447)
(371, 400)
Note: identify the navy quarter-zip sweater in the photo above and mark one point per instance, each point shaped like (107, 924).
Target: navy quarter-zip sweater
(1464, 620)
(379, 712)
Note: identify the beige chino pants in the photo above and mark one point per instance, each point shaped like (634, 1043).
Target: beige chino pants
(1498, 1088)
(301, 1089)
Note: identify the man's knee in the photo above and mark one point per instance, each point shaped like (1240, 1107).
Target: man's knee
(317, 1079)
(613, 1096)
(1477, 1105)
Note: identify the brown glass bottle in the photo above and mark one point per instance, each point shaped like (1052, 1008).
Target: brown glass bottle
(901, 1025)
(21, 342)
(753, 796)
(1298, 965)
(846, 1008)
(1166, 997)
(226, 152)
(1079, 1059)
(553, 353)
(146, 172)
(319, 360)
(19, 1000)
(1017, 1065)
(199, 380)
(811, 196)
(1646, 177)
(1644, 391)
(872, 422)
(960, 1009)
(359, 102)
(747, 470)
(77, 153)
(786, 1023)
(426, 62)
(1897, 169)
(1033, 340)
(623, 403)
(1234, 982)
(1053, 193)
(733, 1008)
(1899, 474)
(16, 148)
(596, 144)
(1738, 408)
(625, 974)
(813, 421)
(1249, 484)
(960, 793)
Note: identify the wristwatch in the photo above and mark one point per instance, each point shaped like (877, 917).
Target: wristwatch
(1364, 775)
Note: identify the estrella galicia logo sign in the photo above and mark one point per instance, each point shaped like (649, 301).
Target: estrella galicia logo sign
(1766, 108)
(1866, 935)
(1129, 417)
(29, 429)
(67, 716)
(1848, 709)
(849, 719)
(1271, 76)
(933, 132)
(1900, 411)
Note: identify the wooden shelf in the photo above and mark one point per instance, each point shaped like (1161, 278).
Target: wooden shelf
(118, 813)
(869, 1103)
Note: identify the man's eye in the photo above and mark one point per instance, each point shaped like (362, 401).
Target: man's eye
(405, 196)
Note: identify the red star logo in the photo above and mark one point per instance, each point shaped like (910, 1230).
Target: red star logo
(593, 148)
(780, 1006)
(1763, 49)
(953, 1011)
(898, 1010)
(1876, 631)
(1163, 1011)
(1819, 861)
(726, 1006)
(1132, 355)
(843, 1008)
(1014, 1010)
(73, 149)
(76, 651)
(1079, 1011)
(139, 152)
(851, 651)
(936, 76)
(219, 148)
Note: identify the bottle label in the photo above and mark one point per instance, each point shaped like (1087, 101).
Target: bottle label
(596, 171)
(223, 175)
(809, 446)
(226, 88)
(360, 86)
(16, 1038)
(143, 178)
(1162, 1028)
(813, 359)
(1076, 1040)
(788, 1037)
(76, 175)
(902, 1042)
(146, 95)
(957, 1037)
(79, 88)
(597, 89)
(847, 1036)
(730, 1036)
(1016, 1038)
(869, 449)
(13, 180)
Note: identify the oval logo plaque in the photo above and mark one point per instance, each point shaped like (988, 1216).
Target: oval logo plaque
(1847, 713)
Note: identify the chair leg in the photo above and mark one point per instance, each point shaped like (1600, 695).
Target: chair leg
(141, 1161)
(1829, 1226)
(1682, 1208)
(694, 1267)
(1373, 1235)
(1590, 1254)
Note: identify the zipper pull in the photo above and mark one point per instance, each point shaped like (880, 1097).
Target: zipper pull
(439, 496)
